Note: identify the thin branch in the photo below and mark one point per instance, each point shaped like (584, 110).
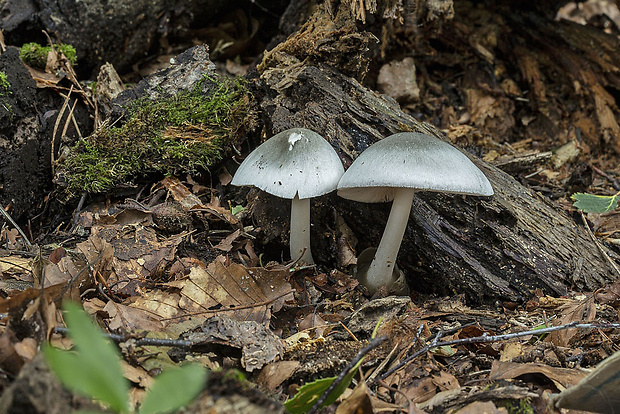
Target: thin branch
(20, 231)
(495, 338)
(175, 343)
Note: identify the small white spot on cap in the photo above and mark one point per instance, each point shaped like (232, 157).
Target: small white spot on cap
(292, 139)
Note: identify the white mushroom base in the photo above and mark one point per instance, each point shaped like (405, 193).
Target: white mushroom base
(381, 269)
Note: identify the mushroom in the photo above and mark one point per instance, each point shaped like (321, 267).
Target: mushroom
(296, 164)
(394, 169)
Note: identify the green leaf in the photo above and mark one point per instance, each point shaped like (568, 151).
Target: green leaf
(308, 394)
(236, 210)
(591, 203)
(94, 370)
(174, 389)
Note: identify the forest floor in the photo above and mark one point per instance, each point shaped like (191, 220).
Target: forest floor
(192, 269)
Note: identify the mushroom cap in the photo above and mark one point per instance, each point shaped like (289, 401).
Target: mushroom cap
(294, 162)
(411, 160)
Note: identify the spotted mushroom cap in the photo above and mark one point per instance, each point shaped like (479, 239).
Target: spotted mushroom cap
(411, 160)
(295, 161)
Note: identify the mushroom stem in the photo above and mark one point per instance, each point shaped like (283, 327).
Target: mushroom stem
(300, 230)
(381, 269)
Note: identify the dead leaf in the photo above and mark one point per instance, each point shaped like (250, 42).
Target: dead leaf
(259, 346)
(574, 311)
(137, 375)
(510, 351)
(561, 377)
(275, 373)
(10, 360)
(445, 381)
(245, 294)
(27, 348)
(480, 407)
(14, 265)
(135, 255)
(129, 318)
(359, 402)
(313, 322)
(226, 245)
(180, 193)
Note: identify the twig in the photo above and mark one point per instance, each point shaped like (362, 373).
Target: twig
(495, 338)
(21, 232)
(175, 343)
(361, 354)
(78, 209)
(598, 244)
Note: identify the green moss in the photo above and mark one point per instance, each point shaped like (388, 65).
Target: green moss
(522, 406)
(35, 55)
(5, 86)
(176, 135)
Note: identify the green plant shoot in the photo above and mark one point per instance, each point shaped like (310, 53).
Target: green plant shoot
(94, 371)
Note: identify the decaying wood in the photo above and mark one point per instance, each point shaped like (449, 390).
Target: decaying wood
(501, 247)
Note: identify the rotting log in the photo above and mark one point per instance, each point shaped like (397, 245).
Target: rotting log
(498, 248)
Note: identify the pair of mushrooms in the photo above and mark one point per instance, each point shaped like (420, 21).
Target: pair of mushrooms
(299, 164)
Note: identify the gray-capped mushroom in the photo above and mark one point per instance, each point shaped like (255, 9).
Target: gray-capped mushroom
(296, 164)
(393, 169)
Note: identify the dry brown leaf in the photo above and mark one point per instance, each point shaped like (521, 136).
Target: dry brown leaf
(510, 351)
(10, 360)
(275, 373)
(599, 391)
(358, 402)
(419, 390)
(137, 375)
(574, 311)
(98, 252)
(313, 322)
(27, 348)
(180, 193)
(138, 254)
(14, 265)
(561, 377)
(445, 381)
(245, 294)
(226, 245)
(480, 407)
(160, 304)
(129, 318)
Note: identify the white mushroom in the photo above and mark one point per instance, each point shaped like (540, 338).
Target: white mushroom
(394, 169)
(297, 164)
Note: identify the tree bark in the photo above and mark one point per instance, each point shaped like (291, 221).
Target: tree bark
(503, 247)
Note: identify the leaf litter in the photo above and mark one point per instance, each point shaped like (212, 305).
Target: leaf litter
(261, 319)
(137, 271)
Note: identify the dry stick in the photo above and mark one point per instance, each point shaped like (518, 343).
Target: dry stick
(20, 231)
(495, 338)
(56, 126)
(78, 210)
(375, 342)
(598, 244)
(176, 343)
